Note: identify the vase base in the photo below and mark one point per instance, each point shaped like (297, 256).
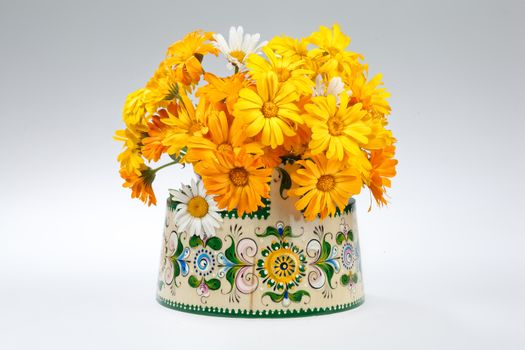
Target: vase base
(233, 313)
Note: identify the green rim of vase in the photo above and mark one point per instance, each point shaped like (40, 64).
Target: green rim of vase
(238, 313)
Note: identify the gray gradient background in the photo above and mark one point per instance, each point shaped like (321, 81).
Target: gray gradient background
(443, 265)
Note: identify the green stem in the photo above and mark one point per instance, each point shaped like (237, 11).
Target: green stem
(164, 166)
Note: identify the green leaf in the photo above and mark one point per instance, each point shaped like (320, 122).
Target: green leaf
(340, 238)
(298, 296)
(230, 275)
(193, 281)
(287, 231)
(213, 284)
(214, 243)
(270, 231)
(351, 235)
(276, 298)
(176, 269)
(286, 182)
(355, 277)
(196, 241)
(230, 253)
(179, 248)
(325, 253)
(345, 280)
(328, 271)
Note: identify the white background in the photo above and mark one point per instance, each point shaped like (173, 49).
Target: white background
(443, 264)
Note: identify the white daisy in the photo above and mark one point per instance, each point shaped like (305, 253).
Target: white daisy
(238, 47)
(335, 87)
(196, 211)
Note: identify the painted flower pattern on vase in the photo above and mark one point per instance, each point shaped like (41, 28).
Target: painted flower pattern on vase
(237, 264)
(282, 266)
(350, 256)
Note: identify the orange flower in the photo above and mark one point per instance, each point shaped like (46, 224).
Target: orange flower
(224, 136)
(140, 184)
(272, 156)
(298, 144)
(223, 89)
(323, 185)
(383, 168)
(186, 56)
(153, 147)
(239, 181)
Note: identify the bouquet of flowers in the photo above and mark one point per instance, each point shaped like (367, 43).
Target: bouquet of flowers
(304, 107)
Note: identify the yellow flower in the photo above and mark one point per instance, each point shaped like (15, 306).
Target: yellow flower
(379, 137)
(324, 185)
(239, 181)
(135, 108)
(383, 168)
(186, 56)
(331, 52)
(337, 130)
(162, 89)
(184, 121)
(224, 136)
(370, 95)
(223, 89)
(331, 41)
(296, 49)
(131, 157)
(287, 69)
(140, 184)
(270, 112)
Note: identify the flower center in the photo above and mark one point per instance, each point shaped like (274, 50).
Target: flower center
(238, 55)
(204, 262)
(224, 147)
(269, 109)
(335, 126)
(326, 183)
(333, 51)
(283, 265)
(283, 74)
(239, 177)
(198, 207)
(195, 127)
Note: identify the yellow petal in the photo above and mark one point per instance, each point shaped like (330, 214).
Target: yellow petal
(255, 127)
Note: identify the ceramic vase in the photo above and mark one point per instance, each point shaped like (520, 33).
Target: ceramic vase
(271, 263)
